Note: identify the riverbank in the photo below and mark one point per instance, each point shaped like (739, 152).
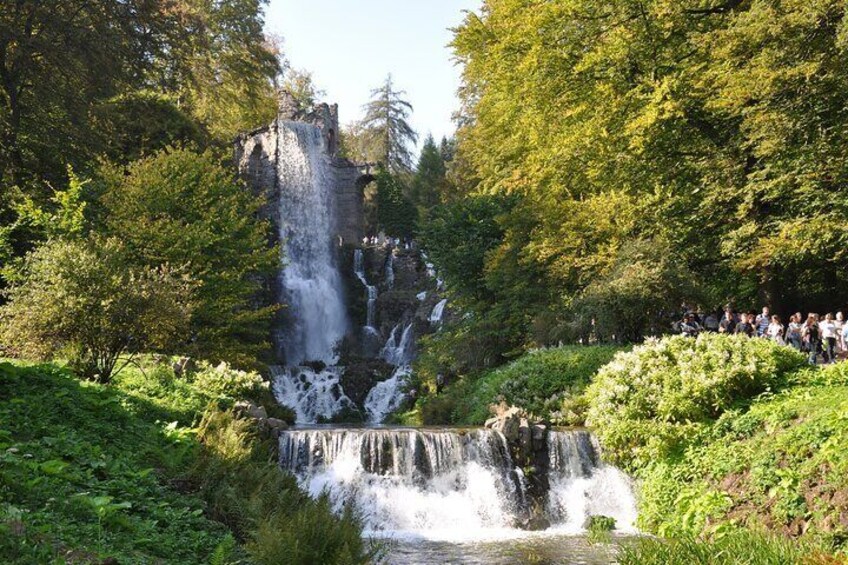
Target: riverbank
(152, 468)
(722, 433)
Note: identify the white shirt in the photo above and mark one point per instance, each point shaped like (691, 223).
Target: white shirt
(828, 329)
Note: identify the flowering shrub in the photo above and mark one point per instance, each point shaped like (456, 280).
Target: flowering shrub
(652, 401)
(224, 381)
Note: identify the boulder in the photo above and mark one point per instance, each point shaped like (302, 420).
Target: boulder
(250, 410)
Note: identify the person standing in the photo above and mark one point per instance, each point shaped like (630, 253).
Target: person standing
(840, 326)
(762, 322)
(745, 325)
(829, 336)
(689, 326)
(810, 337)
(775, 330)
(711, 322)
(728, 323)
(793, 331)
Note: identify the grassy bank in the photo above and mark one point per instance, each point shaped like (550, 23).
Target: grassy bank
(727, 433)
(548, 383)
(150, 469)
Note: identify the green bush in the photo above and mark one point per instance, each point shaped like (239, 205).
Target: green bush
(180, 207)
(87, 302)
(547, 383)
(651, 402)
(223, 381)
(780, 464)
(247, 490)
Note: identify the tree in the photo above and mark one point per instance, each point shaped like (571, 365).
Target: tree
(645, 284)
(301, 85)
(386, 128)
(181, 207)
(429, 179)
(86, 301)
(396, 215)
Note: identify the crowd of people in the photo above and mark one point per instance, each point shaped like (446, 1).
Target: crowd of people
(820, 337)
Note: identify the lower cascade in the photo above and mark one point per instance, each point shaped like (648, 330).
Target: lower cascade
(455, 485)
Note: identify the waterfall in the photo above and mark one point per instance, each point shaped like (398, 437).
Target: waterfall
(311, 283)
(387, 396)
(313, 395)
(370, 291)
(390, 270)
(399, 351)
(581, 486)
(438, 312)
(456, 485)
(430, 483)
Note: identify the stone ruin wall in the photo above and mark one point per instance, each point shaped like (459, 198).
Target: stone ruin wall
(257, 155)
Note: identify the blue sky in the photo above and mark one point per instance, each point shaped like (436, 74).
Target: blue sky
(351, 45)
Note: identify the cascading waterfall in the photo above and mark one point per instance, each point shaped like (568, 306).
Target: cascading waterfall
(582, 486)
(438, 312)
(399, 349)
(370, 291)
(451, 484)
(388, 395)
(311, 284)
(390, 271)
(313, 395)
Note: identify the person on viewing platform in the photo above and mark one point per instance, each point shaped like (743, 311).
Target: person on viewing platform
(762, 322)
(728, 323)
(711, 323)
(775, 330)
(828, 336)
(689, 326)
(793, 331)
(745, 325)
(810, 337)
(840, 326)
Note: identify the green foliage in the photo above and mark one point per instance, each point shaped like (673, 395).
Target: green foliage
(301, 85)
(385, 131)
(141, 123)
(650, 403)
(632, 299)
(180, 207)
(713, 128)
(82, 476)
(547, 383)
(225, 382)
(598, 528)
(779, 465)
(741, 547)
(396, 215)
(92, 472)
(85, 300)
(248, 491)
(429, 180)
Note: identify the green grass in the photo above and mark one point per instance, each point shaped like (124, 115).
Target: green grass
(547, 383)
(85, 471)
(736, 548)
(151, 469)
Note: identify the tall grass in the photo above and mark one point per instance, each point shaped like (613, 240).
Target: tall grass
(280, 523)
(742, 547)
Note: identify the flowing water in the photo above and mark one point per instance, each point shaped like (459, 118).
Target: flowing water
(311, 283)
(455, 495)
(436, 495)
(438, 312)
